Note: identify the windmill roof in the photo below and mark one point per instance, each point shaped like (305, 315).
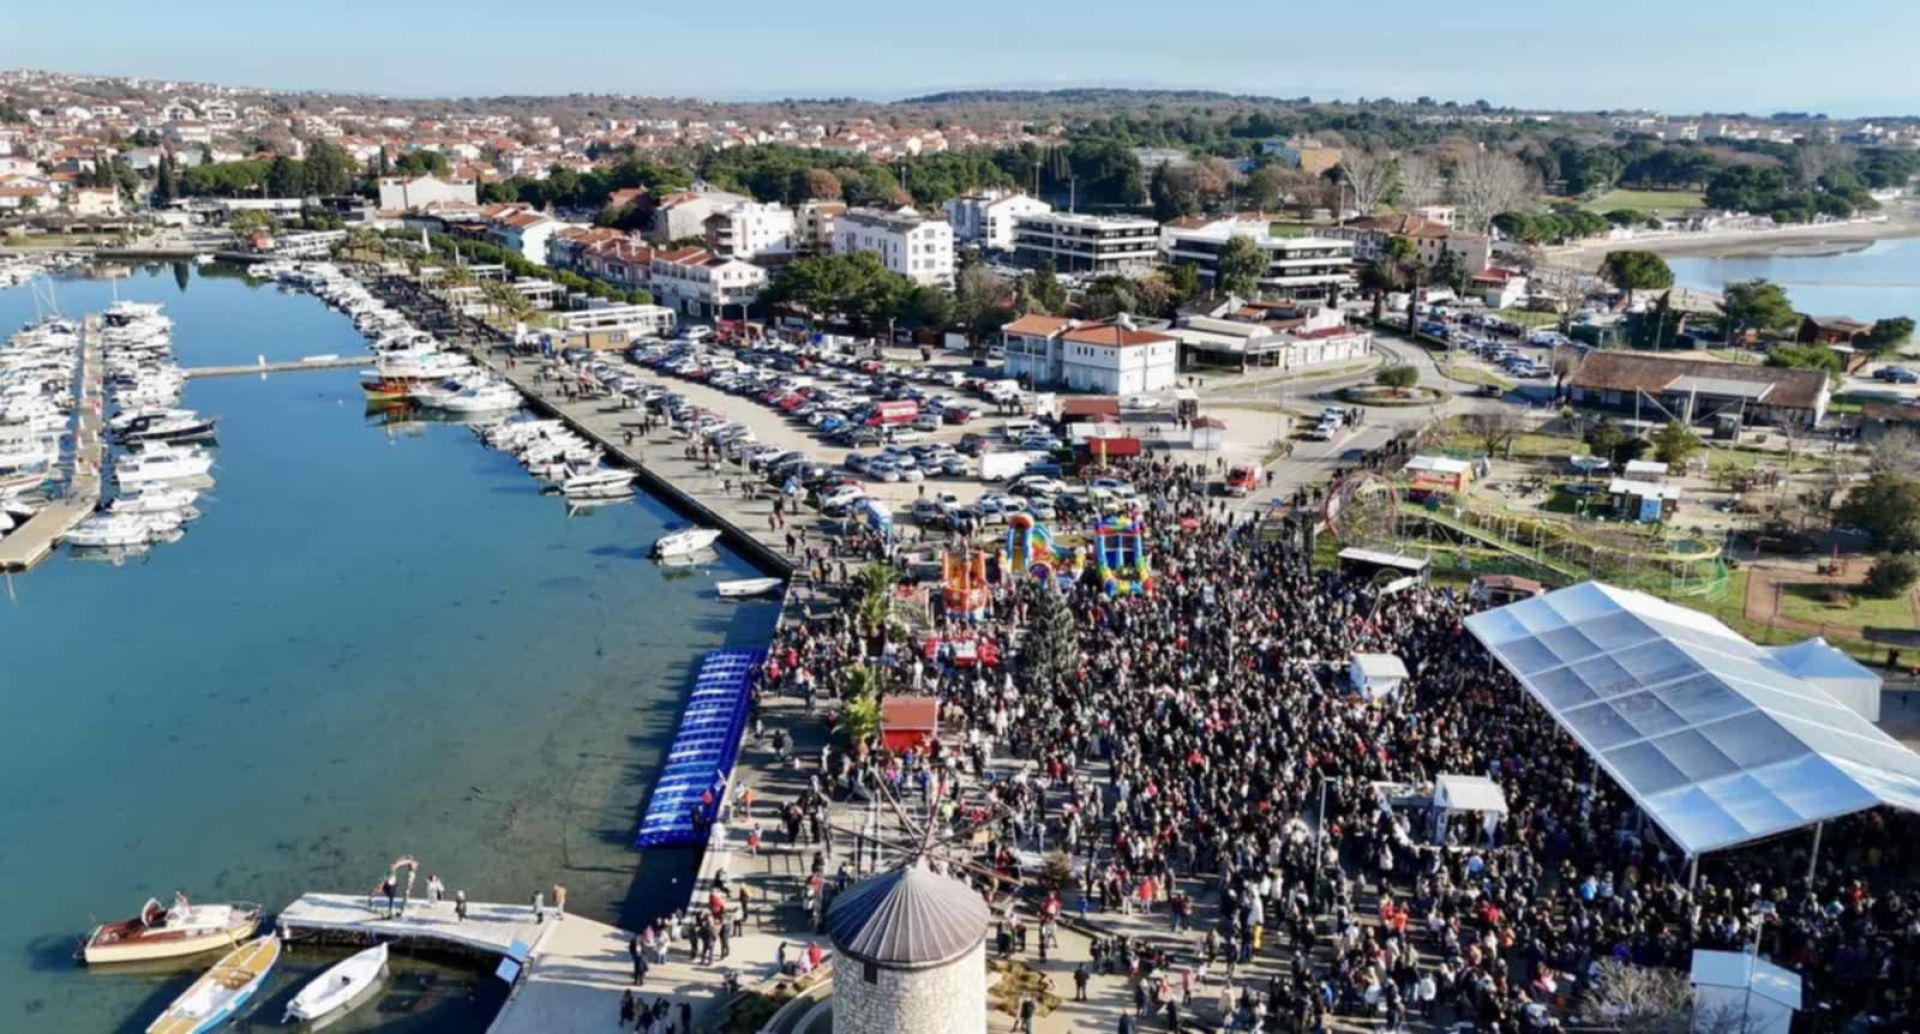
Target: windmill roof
(908, 918)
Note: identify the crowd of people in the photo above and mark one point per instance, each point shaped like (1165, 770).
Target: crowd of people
(1198, 755)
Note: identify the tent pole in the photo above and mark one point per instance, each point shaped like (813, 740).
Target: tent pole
(1813, 864)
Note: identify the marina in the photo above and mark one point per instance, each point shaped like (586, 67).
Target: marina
(25, 546)
(393, 593)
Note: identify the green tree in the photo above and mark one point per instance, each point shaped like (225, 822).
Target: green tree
(1892, 575)
(1888, 335)
(1887, 507)
(1050, 650)
(286, 178)
(1759, 306)
(1675, 443)
(1042, 292)
(165, 189)
(980, 303)
(329, 170)
(1399, 377)
(1449, 270)
(247, 223)
(874, 583)
(1631, 271)
(1241, 265)
(1262, 189)
(1806, 357)
(1185, 281)
(860, 717)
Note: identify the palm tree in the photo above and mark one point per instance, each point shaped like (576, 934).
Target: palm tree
(875, 582)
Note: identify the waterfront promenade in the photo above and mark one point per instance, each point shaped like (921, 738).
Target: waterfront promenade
(34, 541)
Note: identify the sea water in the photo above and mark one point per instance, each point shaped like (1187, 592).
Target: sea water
(379, 640)
(1876, 281)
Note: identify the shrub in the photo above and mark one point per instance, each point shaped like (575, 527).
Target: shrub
(1892, 575)
(1400, 377)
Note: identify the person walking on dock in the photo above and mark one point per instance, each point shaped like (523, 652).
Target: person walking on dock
(539, 906)
(559, 902)
(436, 890)
(639, 962)
(629, 1011)
(387, 889)
(459, 906)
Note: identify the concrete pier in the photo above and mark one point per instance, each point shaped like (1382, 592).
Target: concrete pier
(35, 540)
(295, 366)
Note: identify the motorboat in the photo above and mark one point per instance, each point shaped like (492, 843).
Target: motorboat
(108, 529)
(167, 933)
(178, 426)
(487, 398)
(222, 991)
(600, 483)
(747, 588)
(158, 462)
(685, 543)
(154, 500)
(345, 985)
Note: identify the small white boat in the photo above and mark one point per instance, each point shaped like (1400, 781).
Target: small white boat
(684, 543)
(343, 987)
(745, 588)
(221, 991)
(601, 483)
(153, 500)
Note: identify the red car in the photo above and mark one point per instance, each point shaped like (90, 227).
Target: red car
(1241, 481)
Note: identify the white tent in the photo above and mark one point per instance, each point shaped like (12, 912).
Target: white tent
(1734, 990)
(1718, 740)
(1844, 678)
(1375, 675)
(1469, 793)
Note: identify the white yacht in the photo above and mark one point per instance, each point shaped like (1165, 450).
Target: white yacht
(160, 463)
(485, 398)
(685, 543)
(604, 482)
(106, 530)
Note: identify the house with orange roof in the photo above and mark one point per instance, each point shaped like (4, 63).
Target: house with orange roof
(697, 282)
(1110, 357)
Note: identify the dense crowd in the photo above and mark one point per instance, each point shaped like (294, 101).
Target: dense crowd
(1202, 758)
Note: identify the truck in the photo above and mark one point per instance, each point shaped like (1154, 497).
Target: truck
(894, 414)
(999, 466)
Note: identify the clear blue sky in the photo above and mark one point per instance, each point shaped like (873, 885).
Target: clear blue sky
(1852, 57)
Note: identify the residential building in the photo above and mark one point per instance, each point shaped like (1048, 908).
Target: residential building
(904, 241)
(697, 282)
(525, 234)
(1309, 156)
(1111, 357)
(683, 215)
(625, 263)
(1659, 389)
(986, 218)
(34, 197)
(1298, 268)
(813, 225)
(1430, 238)
(567, 247)
(1077, 243)
(95, 203)
(403, 194)
(750, 230)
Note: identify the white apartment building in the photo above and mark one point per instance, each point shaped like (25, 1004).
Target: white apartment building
(401, 194)
(1086, 243)
(986, 218)
(751, 229)
(525, 234)
(1298, 268)
(697, 282)
(1108, 358)
(905, 242)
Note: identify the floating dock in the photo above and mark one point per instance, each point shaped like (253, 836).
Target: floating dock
(704, 749)
(294, 366)
(34, 541)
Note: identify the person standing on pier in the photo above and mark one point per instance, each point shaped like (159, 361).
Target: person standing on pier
(435, 889)
(629, 1011)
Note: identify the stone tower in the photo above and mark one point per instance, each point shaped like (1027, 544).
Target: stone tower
(910, 955)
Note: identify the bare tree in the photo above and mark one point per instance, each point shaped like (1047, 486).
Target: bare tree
(1420, 181)
(1897, 452)
(1638, 999)
(1496, 430)
(1566, 362)
(1486, 183)
(1371, 174)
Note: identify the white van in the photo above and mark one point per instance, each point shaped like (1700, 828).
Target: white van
(1018, 427)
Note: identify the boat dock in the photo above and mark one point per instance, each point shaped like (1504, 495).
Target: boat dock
(570, 971)
(703, 752)
(35, 540)
(319, 363)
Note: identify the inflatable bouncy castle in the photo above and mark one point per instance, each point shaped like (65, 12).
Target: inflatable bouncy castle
(1031, 551)
(1119, 548)
(963, 583)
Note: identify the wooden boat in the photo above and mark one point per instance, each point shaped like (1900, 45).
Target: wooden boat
(221, 991)
(744, 588)
(165, 933)
(336, 992)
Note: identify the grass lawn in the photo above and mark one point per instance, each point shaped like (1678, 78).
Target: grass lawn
(1732, 607)
(1529, 318)
(1646, 202)
(1808, 602)
(1474, 375)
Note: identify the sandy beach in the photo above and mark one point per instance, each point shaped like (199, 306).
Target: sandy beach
(1901, 219)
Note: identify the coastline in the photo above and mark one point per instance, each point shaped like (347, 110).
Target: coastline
(1902, 220)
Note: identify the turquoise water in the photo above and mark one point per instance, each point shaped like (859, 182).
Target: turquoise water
(379, 640)
(1874, 282)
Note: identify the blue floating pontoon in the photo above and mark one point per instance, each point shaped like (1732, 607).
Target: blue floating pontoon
(704, 749)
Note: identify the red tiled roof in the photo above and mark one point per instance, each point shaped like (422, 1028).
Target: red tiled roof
(1112, 335)
(1038, 326)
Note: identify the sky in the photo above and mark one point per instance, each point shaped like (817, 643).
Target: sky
(1677, 56)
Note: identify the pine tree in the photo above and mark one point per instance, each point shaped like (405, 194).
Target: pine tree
(1051, 649)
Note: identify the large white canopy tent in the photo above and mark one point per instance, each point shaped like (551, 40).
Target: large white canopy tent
(1719, 741)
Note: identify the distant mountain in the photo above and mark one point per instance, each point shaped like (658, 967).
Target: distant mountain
(1083, 95)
